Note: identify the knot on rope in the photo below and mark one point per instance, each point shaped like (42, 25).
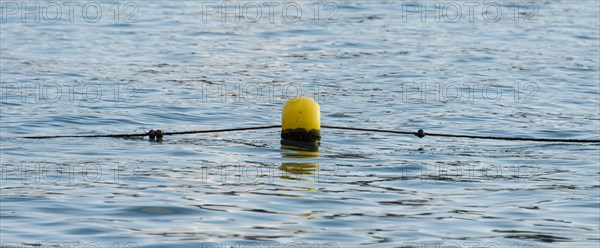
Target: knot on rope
(155, 135)
(151, 134)
(420, 133)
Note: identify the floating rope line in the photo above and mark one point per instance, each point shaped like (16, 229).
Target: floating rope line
(152, 133)
(420, 133)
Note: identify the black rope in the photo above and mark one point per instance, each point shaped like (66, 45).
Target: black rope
(224, 130)
(88, 136)
(370, 130)
(420, 133)
(152, 133)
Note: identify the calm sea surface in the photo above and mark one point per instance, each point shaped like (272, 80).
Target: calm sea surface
(479, 68)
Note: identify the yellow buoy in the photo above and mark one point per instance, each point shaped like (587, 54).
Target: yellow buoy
(301, 120)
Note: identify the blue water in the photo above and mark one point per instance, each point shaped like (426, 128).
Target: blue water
(178, 65)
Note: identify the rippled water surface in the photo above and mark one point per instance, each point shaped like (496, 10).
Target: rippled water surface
(178, 65)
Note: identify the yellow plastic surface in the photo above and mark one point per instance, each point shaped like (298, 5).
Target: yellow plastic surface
(301, 112)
